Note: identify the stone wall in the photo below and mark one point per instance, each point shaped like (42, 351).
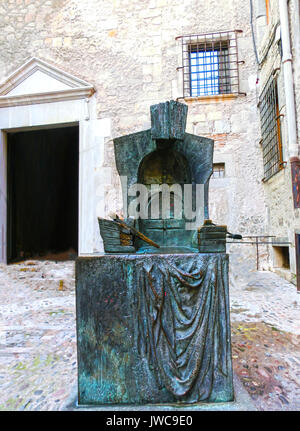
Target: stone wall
(282, 219)
(127, 50)
(294, 15)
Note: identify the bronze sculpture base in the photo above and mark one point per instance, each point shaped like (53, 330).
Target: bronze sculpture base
(153, 329)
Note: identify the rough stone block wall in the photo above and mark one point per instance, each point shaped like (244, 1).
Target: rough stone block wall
(127, 50)
(294, 15)
(282, 220)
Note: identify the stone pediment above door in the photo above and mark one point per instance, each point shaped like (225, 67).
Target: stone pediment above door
(39, 82)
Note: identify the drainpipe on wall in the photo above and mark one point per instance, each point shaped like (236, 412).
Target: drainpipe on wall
(288, 79)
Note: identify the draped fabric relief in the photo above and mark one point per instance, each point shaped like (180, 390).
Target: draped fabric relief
(182, 323)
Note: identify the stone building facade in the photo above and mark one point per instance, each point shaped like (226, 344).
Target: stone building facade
(100, 65)
(278, 45)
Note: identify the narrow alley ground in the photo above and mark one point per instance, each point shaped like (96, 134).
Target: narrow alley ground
(38, 365)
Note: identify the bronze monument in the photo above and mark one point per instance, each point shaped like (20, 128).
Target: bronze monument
(153, 315)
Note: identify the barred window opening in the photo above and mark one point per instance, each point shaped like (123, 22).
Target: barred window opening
(218, 170)
(210, 64)
(270, 129)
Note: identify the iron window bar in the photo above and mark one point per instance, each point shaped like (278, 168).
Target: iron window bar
(270, 129)
(218, 170)
(210, 64)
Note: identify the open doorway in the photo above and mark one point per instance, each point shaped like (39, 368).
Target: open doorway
(281, 257)
(42, 193)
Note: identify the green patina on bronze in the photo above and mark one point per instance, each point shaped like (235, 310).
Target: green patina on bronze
(165, 154)
(153, 323)
(153, 329)
(212, 238)
(168, 120)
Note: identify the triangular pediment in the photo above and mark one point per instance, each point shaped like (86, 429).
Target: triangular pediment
(39, 82)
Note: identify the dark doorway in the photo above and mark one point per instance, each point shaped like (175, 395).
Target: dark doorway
(282, 257)
(43, 193)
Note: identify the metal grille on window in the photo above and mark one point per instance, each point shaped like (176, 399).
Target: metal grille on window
(210, 64)
(218, 170)
(270, 129)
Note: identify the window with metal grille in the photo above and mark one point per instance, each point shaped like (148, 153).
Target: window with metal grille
(218, 170)
(270, 129)
(210, 64)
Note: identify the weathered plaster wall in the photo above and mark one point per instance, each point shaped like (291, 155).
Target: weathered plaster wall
(127, 50)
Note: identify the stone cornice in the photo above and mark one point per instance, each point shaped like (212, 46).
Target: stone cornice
(56, 96)
(79, 89)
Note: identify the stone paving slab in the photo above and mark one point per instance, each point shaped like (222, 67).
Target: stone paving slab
(38, 364)
(265, 326)
(37, 335)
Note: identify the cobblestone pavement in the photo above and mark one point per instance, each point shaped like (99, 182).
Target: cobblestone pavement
(38, 341)
(37, 335)
(265, 333)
